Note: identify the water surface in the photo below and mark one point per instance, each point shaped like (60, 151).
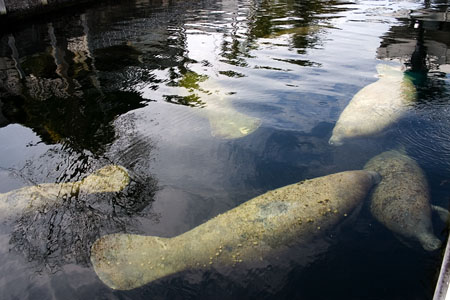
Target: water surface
(143, 84)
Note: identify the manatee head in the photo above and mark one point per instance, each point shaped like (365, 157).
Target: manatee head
(389, 71)
(335, 140)
(339, 135)
(376, 177)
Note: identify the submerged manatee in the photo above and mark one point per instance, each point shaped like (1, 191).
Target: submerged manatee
(225, 121)
(401, 201)
(376, 107)
(110, 178)
(254, 231)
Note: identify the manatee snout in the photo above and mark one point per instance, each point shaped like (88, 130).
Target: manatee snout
(335, 141)
(430, 242)
(376, 177)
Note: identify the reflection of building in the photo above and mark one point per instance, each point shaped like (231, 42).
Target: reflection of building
(21, 7)
(426, 35)
(44, 70)
(60, 55)
(50, 84)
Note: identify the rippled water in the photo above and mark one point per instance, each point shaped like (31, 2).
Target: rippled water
(151, 86)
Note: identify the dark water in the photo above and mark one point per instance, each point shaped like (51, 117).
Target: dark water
(139, 84)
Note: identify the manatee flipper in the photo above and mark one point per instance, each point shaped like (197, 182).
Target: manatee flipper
(443, 214)
(259, 229)
(111, 178)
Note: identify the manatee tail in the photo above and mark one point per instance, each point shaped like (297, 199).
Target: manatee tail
(128, 261)
(111, 178)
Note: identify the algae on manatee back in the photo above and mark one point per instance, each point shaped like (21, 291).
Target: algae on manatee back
(375, 107)
(257, 230)
(401, 201)
(111, 178)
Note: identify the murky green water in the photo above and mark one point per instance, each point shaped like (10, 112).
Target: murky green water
(208, 104)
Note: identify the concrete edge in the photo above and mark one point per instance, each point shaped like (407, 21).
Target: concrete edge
(21, 9)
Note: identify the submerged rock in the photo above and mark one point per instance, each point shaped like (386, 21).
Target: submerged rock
(110, 178)
(401, 201)
(258, 229)
(376, 107)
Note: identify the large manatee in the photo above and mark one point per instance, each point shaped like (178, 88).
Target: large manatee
(401, 201)
(254, 231)
(111, 178)
(376, 107)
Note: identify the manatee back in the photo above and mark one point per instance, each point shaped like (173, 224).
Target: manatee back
(401, 200)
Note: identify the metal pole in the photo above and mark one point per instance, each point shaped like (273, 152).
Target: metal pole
(442, 292)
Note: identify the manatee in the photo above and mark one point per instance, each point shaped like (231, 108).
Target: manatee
(401, 201)
(255, 230)
(225, 121)
(111, 178)
(376, 107)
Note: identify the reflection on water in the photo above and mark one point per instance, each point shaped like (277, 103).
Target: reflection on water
(208, 104)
